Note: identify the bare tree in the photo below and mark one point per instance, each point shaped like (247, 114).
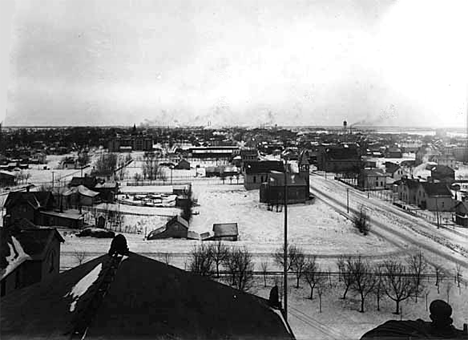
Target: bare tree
(448, 288)
(344, 272)
(278, 255)
(364, 279)
(240, 265)
(106, 164)
(379, 289)
(322, 287)
(458, 274)
(440, 275)
(361, 221)
(313, 275)
(298, 264)
(417, 264)
(187, 207)
(201, 261)
(399, 283)
(264, 268)
(219, 252)
(80, 256)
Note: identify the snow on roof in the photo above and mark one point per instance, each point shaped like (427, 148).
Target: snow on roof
(82, 286)
(16, 257)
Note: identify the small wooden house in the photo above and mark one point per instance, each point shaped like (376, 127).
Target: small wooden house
(461, 214)
(176, 227)
(183, 165)
(434, 197)
(29, 254)
(225, 231)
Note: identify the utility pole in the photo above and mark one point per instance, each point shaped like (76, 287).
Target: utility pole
(53, 179)
(285, 254)
(347, 200)
(437, 213)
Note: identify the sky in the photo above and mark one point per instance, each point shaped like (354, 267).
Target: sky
(243, 62)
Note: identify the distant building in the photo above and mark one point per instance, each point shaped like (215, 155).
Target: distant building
(272, 191)
(225, 231)
(29, 254)
(255, 173)
(131, 143)
(407, 189)
(183, 165)
(434, 197)
(372, 179)
(338, 158)
(443, 173)
(28, 205)
(461, 213)
(176, 227)
(393, 152)
(7, 178)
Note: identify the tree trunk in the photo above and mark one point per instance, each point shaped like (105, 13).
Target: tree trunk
(320, 302)
(311, 293)
(345, 292)
(378, 303)
(397, 311)
(362, 304)
(297, 280)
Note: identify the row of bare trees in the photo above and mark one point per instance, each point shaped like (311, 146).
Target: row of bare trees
(207, 260)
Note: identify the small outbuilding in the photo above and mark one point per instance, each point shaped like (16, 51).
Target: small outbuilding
(225, 231)
(176, 227)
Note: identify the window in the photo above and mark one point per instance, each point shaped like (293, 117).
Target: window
(442, 204)
(255, 179)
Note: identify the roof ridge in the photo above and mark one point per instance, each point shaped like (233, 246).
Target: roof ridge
(84, 318)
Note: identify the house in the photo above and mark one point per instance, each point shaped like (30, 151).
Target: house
(176, 227)
(128, 143)
(88, 181)
(225, 231)
(107, 191)
(135, 297)
(272, 191)
(70, 163)
(443, 173)
(372, 179)
(80, 195)
(407, 189)
(461, 213)
(444, 159)
(183, 165)
(28, 205)
(338, 158)
(28, 254)
(394, 171)
(255, 173)
(425, 153)
(7, 178)
(434, 197)
(69, 218)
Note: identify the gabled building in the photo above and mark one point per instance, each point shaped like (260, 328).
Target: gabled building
(393, 152)
(461, 213)
(255, 173)
(176, 227)
(407, 189)
(394, 171)
(88, 181)
(28, 205)
(272, 191)
(372, 179)
(225, 232)
(135, 297)
(28, 254)
(443, 173)
(434, 197)
(338, 158)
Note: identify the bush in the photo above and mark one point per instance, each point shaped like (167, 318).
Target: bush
(361, 221)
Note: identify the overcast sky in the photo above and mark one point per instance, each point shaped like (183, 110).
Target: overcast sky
(314, 62)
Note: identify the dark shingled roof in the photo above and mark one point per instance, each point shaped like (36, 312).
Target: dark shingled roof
(139, 298)
(225, 229)
(436, 189)
(263, 167)
(34, 240)
(277, 179)
(37, 199)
